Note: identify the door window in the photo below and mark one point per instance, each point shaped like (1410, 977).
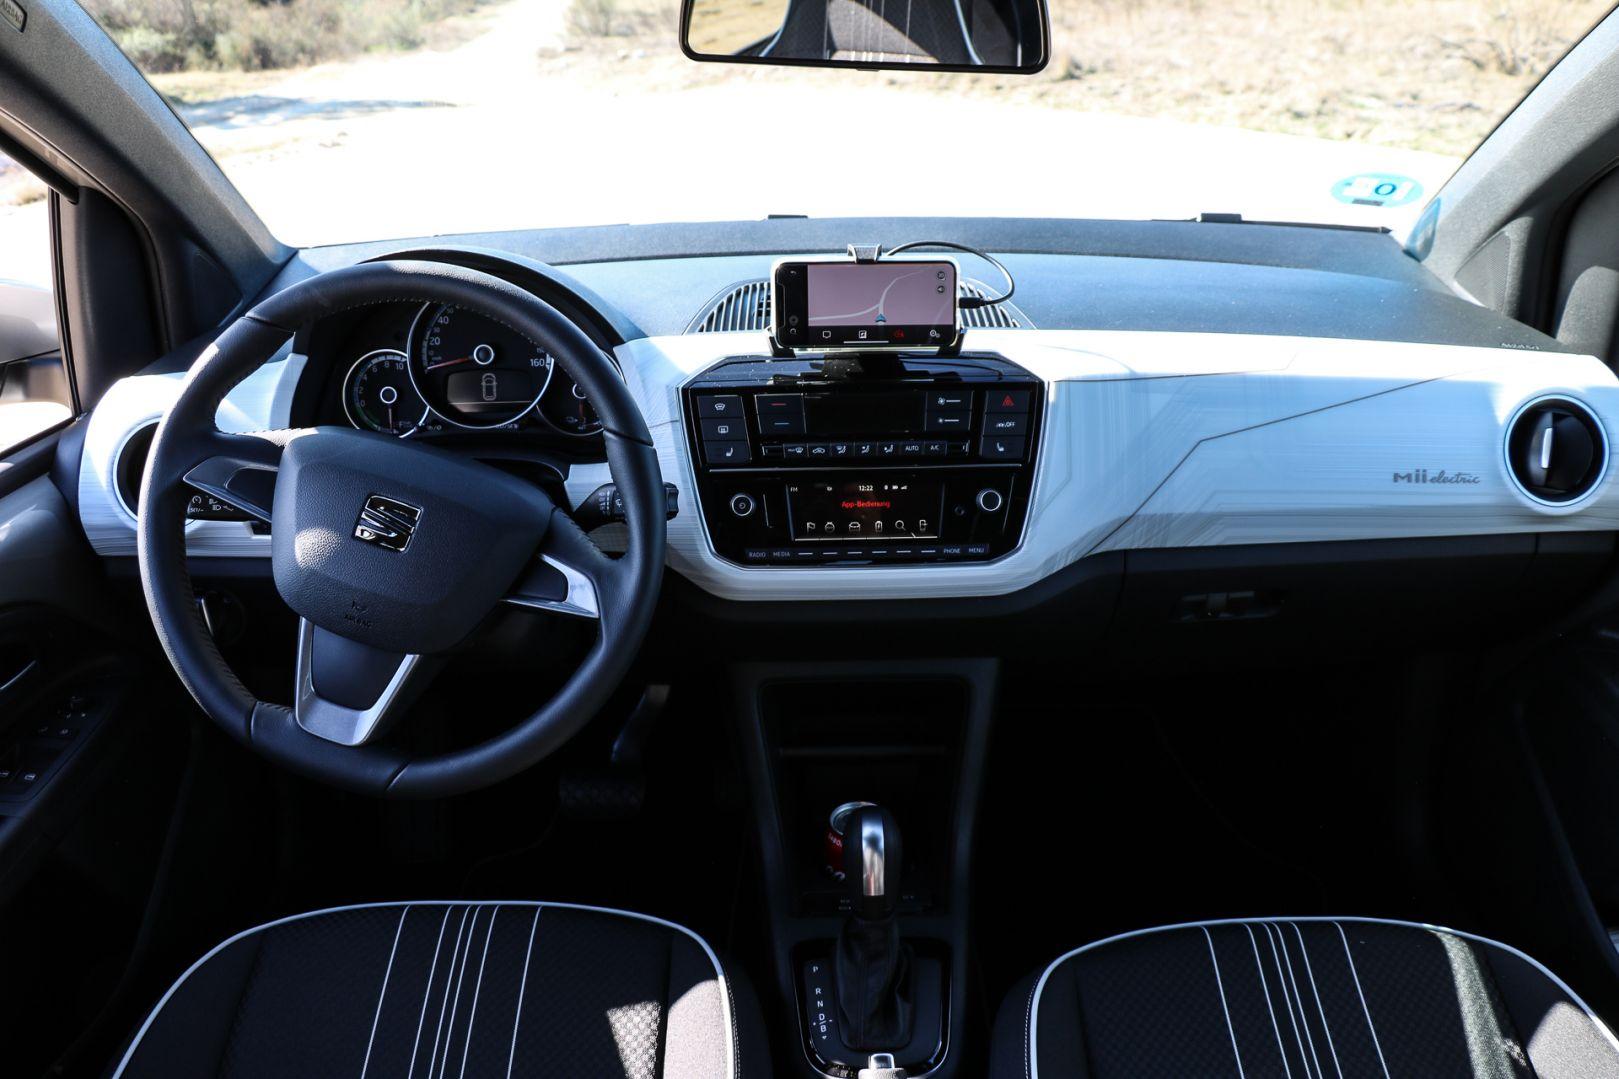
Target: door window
(35, 394)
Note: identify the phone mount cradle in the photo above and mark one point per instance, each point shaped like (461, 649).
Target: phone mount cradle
(869, 254)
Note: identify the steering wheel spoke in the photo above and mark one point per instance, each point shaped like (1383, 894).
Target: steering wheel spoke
(570, 575)
(348, 692)
(240, 470)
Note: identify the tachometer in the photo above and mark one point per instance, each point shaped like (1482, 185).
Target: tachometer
(378, 394)
(473, 371)
(566, 408)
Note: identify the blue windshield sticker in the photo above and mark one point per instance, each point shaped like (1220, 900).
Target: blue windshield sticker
(1377, 189)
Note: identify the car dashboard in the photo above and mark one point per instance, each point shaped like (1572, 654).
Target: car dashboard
(1225, 398)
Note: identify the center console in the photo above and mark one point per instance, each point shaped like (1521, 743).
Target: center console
(868, 934)
(863, 459)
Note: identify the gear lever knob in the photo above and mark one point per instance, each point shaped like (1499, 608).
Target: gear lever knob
(872, 860)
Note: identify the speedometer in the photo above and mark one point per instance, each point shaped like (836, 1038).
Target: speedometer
(474, 371)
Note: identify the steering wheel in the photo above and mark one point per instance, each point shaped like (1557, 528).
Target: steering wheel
(392, 552)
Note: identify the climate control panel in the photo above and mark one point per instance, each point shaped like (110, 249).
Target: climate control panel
(815, 461)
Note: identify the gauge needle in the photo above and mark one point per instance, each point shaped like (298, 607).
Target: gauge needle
(447, 363)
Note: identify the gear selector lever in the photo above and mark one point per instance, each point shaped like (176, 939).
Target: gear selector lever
(872, 967)
(872, 858)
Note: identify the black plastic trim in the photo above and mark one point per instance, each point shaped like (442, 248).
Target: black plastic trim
(33, 459)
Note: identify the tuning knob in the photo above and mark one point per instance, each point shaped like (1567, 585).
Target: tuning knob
(990, 500)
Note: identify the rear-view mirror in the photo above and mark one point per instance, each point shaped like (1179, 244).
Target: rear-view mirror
(944, 35)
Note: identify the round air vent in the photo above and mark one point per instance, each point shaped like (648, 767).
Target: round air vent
(1556, 450)
(131, 465)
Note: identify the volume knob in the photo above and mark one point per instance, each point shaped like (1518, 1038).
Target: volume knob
(742, 504)
(990, 500)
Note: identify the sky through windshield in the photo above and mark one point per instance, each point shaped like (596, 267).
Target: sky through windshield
(362, 119)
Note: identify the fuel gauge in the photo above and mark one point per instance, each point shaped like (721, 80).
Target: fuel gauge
(378, 394)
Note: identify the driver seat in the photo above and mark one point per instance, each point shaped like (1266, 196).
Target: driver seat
(439, 989)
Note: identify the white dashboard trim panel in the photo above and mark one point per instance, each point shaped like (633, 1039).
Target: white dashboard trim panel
(1150, 440)
(262, 402)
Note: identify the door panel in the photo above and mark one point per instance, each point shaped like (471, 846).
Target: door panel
(89, 761)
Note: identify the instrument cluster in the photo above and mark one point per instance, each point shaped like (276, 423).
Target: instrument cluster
(428, 370)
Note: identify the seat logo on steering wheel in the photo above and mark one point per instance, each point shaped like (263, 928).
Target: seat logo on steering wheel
(387, 522)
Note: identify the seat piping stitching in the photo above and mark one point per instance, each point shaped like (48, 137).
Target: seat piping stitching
(1269, 1004)
(477, 990)
(444, 1003)
(460, 981)
(1354, 973)
(1304, 1016)
(1304, 949)
(1028, 1032)
(1224, 1007)
(522, 988)
(1287, 1000)
(427, 993)
(383, 995)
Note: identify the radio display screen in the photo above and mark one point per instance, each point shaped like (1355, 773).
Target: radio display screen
(864, 510)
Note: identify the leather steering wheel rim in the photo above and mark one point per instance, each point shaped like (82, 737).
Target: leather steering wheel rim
(188, 444)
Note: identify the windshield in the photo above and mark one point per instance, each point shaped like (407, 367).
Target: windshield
(361, 119)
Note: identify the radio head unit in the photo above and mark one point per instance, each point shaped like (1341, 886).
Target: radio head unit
(918, 459)
(848, 304)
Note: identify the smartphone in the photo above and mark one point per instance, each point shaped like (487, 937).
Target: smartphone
(843, 304)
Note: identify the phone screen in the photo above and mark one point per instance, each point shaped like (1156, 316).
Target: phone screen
(902, 303)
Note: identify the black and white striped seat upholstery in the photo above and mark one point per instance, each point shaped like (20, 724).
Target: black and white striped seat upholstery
(1299, 999)
(438, 990)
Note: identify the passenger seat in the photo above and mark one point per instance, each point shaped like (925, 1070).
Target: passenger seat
(1307, 997)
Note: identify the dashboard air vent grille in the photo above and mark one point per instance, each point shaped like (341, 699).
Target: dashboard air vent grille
(1001, 316)
(1556, 450)
(742, 307)
(746, 306)
(130, 465)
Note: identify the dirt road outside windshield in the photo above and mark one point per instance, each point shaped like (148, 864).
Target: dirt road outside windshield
(534, 113)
